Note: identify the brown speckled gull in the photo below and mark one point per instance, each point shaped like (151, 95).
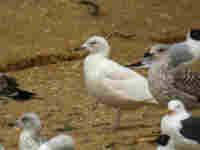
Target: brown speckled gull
(171, 75)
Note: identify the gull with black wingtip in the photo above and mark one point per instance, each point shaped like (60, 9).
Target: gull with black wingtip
(171, 74)
(181, 126)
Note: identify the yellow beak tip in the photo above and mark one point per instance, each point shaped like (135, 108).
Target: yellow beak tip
(169, 112)
(18, 129)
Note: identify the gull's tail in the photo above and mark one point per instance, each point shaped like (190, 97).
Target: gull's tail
(19, 94)
(145, 62)
(9, 89)
(137, 64)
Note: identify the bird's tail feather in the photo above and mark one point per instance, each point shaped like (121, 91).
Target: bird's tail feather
(22, 95)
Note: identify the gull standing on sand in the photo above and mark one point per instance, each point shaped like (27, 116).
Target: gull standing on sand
(110, 82)
(30, 136)
(9, 88)
(171, 75)
(181, 127)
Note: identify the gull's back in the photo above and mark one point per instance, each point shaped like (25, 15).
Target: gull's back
(61, 142)
(1, 147)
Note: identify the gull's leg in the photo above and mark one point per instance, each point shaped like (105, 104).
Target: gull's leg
(117, 121)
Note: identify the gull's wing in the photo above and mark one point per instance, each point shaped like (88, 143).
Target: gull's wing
(125, 82)
(163, 139)
(9, 88)
(61, 142)
(190, 129)
(115, 71)
(179, 54)
(6, 82)
(180, 63)
(187, 81)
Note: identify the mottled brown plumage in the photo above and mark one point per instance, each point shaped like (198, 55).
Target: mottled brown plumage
(171, 77)
(190, 80)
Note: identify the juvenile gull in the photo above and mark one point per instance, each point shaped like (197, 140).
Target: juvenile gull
(171, 75)
(181, 127)
(9, 88)
(112, 83)
(30, 136)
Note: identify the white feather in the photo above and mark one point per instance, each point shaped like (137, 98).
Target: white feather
(113, 83)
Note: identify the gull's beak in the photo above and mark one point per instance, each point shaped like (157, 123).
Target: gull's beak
(17, 129)
(17, 125)
(168, 112)
(83, 47)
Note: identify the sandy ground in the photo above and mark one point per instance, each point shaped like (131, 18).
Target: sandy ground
(31, 28)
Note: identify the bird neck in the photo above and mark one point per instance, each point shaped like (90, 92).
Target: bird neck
(194, 47)
(93, 59)
(103, 53)
(182, 115)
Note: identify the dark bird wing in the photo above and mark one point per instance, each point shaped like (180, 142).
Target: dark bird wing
(190, 128)
(163, 139)
(9, 88)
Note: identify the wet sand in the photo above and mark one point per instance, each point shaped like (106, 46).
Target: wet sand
(32, 28)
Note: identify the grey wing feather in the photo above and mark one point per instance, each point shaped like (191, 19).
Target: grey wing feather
(61, 142)
(184, 79)
(179, 54)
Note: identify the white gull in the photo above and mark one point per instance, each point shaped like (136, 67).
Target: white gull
(30, 136)
(111, 83)
(181, 126)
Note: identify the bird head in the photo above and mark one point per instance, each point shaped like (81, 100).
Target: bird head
(95, 44)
